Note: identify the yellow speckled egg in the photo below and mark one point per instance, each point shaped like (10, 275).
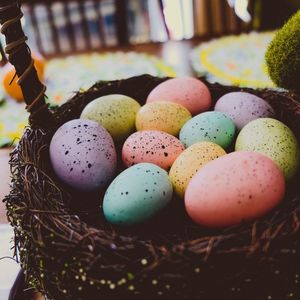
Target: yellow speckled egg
(163, 116)
(116, 113)
(190, 161)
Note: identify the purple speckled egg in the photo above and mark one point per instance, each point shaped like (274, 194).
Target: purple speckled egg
(243, 107)
(83, 155)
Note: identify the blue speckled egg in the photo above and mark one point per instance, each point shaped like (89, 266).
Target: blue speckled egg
(243, 107)
(137, 194)
(211, 126)
(274, 139)
(83, 155)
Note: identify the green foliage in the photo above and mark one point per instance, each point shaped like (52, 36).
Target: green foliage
(283, 55)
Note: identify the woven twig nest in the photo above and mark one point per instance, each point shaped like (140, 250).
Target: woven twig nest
(72, 253)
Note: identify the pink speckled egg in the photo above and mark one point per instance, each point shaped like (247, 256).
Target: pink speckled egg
(83, 155)
(190, 92)
(151, 146)
(236, 187)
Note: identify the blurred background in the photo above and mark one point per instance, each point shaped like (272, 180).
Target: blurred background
(86, 41)
(55, 27)
(76, 43)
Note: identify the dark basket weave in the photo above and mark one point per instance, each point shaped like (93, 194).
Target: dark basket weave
(68, 251)
(65, 248)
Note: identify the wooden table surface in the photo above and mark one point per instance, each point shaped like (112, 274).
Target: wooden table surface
(175, 53)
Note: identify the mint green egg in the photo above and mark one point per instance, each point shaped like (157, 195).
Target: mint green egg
(116, 113)
(211, 126)
(137, 194)
(274, 139)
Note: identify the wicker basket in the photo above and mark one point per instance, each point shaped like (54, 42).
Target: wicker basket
(69, 252)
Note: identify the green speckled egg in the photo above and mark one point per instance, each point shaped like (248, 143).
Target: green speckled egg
(211, 126)
(116, 113)
(274, 139)
(137, 194)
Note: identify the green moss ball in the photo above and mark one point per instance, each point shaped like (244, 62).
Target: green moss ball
(283, 55)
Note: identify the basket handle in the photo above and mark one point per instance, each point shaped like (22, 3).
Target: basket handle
(19, 55)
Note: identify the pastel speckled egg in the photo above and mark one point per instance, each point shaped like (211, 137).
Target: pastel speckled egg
(157, 147)
(190, 161)
(83, 155)
(274, 139)
(210, 126)
(187, 91)
(163, 116)
(137, 194)
(115, 112)
(243, 107)
(237, 187)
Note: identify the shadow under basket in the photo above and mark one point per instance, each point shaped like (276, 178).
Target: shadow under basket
(68, 251)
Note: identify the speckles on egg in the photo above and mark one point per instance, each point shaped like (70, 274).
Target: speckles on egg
(137, 194)
(210, 126)
(274, 139)
(240, 186)
(190, 161)
(243, 107)
(115, 112)
(151, 146)
(83, 155)
(163, 116)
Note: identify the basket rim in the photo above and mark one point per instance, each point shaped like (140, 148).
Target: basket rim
(254, 239)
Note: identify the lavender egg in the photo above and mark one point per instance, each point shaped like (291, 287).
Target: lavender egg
(243, 107)
(83, 155)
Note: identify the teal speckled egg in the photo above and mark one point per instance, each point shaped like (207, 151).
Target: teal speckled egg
(137, 194)
(211, 126)
(274, 139)
(116, 113)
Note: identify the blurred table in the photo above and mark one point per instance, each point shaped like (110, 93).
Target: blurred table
(174, 53)
(235, 60)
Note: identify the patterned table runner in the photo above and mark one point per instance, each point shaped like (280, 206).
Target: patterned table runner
(65, 76)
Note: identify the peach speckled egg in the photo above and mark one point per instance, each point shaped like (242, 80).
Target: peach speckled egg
(237, 187)
(163, 116)
(274, 139)
(190, 161)
(151, 146)
(187, 91)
